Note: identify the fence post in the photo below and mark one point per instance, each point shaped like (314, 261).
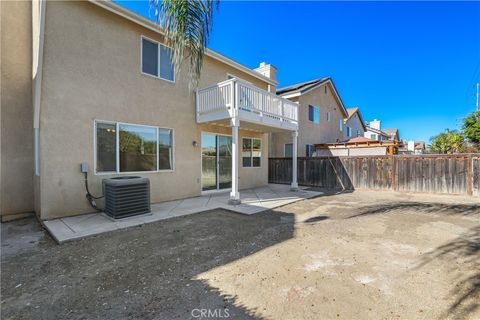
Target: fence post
(394, 173)
(470, 175)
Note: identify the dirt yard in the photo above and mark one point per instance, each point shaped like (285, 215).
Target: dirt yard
(361, 255)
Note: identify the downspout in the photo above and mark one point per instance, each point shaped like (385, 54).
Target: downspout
(38, 33)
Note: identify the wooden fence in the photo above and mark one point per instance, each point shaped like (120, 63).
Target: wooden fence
(452, 174)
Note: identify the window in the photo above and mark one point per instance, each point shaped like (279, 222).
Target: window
(340, 124)
(328, 116)
(310, 150)
(288, 150)
(149, 57)
(140, 148)
(373, 136)
(251, 152)
(314, 114)
(106, 147)
(165, 149)
(358, 133)
(156, 60)
(349, 131)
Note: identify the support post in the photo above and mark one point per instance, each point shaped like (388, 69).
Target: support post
(294, 186)
(235, 195)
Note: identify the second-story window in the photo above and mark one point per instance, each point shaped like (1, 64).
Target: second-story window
(340, 124)
(156, 60)
(328, 116)
(314, 114)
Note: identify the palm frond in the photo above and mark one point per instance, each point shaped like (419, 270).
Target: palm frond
(187, 25)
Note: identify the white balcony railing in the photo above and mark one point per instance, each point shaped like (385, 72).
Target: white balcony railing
(237, 98)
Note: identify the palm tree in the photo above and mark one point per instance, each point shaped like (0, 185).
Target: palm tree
(186, 25)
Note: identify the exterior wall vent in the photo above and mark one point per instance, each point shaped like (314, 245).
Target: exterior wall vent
(126, 196)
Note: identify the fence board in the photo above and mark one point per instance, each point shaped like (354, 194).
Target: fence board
(454, 174)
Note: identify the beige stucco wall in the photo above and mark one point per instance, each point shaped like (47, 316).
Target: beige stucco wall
(356, 125)
(309, 132)
(92, 71)
(16, 108)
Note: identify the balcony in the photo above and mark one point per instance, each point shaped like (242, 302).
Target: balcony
(238, 99)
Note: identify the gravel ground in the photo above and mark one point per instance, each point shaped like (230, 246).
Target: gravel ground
(360, 255)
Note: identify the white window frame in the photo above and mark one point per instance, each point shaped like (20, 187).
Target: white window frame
(314, 108)
(251, 152)
(307, 146)
(117, 147)
(340, 124)
(349, 132)
(158, 58)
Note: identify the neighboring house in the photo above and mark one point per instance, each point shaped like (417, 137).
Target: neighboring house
(419, 147)
(105, 93)
(354, 126)
(412, 147)
(374, 131)
(393, 134)
(359, 146)
(320, 117)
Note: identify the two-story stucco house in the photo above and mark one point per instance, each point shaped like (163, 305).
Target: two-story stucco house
(321, 117)
(354, 124)
(91, 82)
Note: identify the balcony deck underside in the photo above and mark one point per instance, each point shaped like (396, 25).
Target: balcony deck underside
(249, 120)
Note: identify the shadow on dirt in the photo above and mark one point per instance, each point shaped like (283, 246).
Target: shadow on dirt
(420, 207)
(316, 219)
(464, 250)
(144, 272)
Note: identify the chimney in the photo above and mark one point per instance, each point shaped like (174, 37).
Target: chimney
(411, 145)
(268, 71)
(375, 124)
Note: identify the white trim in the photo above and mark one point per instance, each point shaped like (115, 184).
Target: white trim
(292, 95)
(38, 11)
(216, 163)
(38, 73)
(308, 114)
(307, 147)
(117, 148)
(158, 59)
(251, 152)
(36, 137)
(129, 15)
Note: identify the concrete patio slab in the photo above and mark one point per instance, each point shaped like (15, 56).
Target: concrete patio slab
(254, 200)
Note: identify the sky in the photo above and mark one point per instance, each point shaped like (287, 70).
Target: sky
(413, 65)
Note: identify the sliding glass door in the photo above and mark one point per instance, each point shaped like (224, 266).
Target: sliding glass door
(216, 162)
